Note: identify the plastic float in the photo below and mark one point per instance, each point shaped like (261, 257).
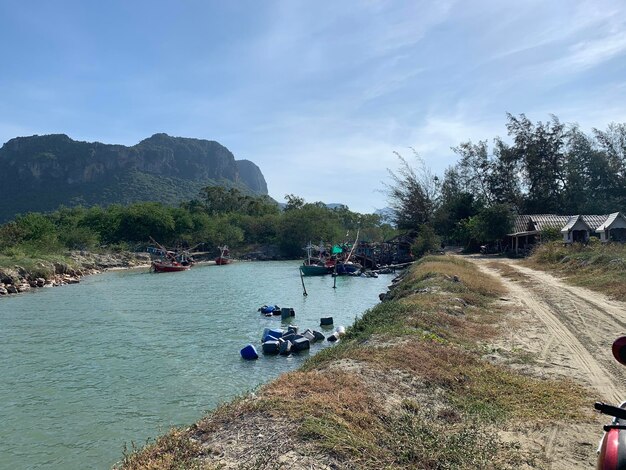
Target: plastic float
(287, 312)
(249, 353)
(271, 347)
(285, 348)
(326, 321)
(271, 334)
(300, 344)
(270, 310)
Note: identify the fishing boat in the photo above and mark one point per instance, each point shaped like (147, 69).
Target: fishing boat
(224, 257)
(168, 266)
(316, 266)
(169, 261)
(347, 267)
(344, 265)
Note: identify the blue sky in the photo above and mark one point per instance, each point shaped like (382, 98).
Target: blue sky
(320, 93)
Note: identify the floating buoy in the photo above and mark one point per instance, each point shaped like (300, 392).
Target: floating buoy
(300, 344)
(269, 334)
(285, 348)
(287, 312)
(318, 336)
(271, 347)
(326, 321)
(249, 353)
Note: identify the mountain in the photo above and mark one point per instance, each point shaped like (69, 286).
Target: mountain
(39, 173)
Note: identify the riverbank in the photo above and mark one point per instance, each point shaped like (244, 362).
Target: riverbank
(19, 275)
(411, 385)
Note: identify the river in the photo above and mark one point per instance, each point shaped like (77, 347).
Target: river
(125, 355)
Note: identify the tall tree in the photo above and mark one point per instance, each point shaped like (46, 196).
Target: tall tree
(413, 193)
(540, 150)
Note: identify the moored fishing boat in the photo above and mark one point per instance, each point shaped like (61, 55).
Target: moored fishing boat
(316, 266)
(168, 266)
(169, 261)
(224, 257)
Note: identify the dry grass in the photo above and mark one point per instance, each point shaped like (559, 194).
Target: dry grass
(405, 388)
(600, 267)
(175, 450)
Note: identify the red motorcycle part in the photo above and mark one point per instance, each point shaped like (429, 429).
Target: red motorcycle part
(613, 449)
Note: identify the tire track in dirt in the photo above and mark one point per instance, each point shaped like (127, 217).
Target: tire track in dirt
(580, 325)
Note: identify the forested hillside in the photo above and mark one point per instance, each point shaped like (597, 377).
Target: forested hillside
(40, 173)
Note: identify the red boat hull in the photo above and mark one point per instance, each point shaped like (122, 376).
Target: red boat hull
(168, 268)
(220, 261)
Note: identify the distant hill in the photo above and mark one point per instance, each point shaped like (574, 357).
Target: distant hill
(39, 173)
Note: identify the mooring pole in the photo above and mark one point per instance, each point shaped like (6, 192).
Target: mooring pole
(303, 286)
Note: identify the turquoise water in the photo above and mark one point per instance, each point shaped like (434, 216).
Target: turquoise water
(123, 356)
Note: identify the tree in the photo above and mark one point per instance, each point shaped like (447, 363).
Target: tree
(413, 194)
(492, 224)
(539, 148)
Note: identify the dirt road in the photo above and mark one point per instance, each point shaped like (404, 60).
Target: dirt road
(568, 331)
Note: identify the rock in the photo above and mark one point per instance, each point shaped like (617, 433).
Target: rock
(23, 287)
(11, 289)
(3, 290)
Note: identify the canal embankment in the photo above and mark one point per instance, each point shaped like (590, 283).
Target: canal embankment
(412, 384)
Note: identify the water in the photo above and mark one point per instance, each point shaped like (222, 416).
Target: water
(123, 356)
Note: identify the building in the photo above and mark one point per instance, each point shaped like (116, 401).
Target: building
(574, 229)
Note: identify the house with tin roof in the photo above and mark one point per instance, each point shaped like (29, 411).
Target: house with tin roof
(573, 228)
(613, 228)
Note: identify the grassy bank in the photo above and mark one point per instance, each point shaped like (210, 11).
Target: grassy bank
(597, 266)
(407, 387)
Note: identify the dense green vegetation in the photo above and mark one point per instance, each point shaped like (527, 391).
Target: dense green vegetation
(548, 167)
(218, 216)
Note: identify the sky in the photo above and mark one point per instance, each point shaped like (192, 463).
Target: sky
(319, 94)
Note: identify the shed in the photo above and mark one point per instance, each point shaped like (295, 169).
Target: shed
(576, 230)
(613, 228)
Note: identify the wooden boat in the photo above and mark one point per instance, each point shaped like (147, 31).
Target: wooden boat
(168, 266)
(224, 257)
(170, 261)
(347, 267)
(315, 269)
(316, 266)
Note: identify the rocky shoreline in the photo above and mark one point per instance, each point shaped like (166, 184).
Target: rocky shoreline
(19, 279)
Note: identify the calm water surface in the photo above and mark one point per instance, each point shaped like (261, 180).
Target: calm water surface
(125, 355)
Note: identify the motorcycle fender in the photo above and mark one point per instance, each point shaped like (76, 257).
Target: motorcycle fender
(613, 451)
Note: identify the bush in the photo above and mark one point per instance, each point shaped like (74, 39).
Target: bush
(427, 241)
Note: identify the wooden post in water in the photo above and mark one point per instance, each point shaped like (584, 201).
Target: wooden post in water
(303, 286)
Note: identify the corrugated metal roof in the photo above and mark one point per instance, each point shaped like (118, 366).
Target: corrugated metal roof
(520, 224)
(570, 223)
(545, 221)
(595, 221)
(609, 221)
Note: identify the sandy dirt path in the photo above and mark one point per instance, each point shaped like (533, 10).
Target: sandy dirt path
(568, 331)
